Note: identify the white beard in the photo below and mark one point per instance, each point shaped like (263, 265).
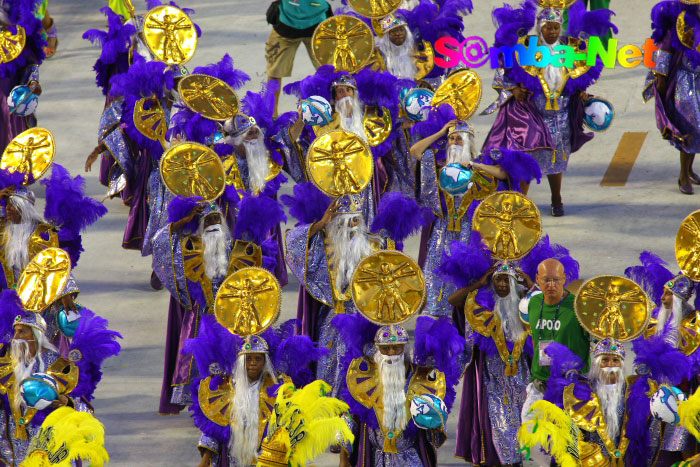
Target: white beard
(214, 241)
(355, 122)
(399, 58)
(611, 396)
(258, 166)
(350, 246)
(507, 309)
(552, 74)
(245, 415)
(457, 154)
(23, 366)
(393, 373)
(17, 244)
(676, 315)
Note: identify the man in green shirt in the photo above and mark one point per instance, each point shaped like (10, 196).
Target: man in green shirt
(552, 319)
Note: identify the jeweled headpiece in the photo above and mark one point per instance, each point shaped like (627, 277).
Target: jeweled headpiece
(24, 192)
(349, 204)
(390, 22)
(254, 344)
(550, 15)
(608, 346)
(241, 124)
(462, 126)
(391, 335)
(345, 79)
(505, 267)
(681, 286)
(33, 320)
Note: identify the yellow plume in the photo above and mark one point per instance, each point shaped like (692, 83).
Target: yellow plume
(554, 430)
(67, 435)
(689, 413)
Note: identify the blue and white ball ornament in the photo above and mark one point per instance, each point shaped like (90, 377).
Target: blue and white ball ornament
(416, 104)
(598, 114)
(316, 110)
(22, 101)
(664, 404)
(39, 390)
(429, 412)
(68, 322)
(455, 179)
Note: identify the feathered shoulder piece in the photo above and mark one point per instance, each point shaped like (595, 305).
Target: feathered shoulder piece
(544, 250)
(378, 88)
(65, 437)
(21, 13)
(225, 71)
(583, 23)
(180, 207)
(357, 332)
(257, 216)
(308, 204)
(215, 349)
(466, 262)
(8, 179)
(660, 361)
(400, 216)
(565, 370)
(192, 126)
(10, 307)
(520, 166)
(68, 208)
(437, 118)
(91, 345)
(318, 84)
(652, 275)
(664, 16)
(115, 43)
(513, 23)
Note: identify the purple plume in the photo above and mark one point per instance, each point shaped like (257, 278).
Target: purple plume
(652, 275)
(466, 263)
(437, 118)
(180, 207)
(584, 23)
(10, 179)
(377, 89)
(400, 216)
(665, 363)
(544, 250)
(318, 84)
(225, 71)
(213, 344)
(513, 23)
(294, 357)
(10, 307)
(638, 421)
(192, 126)
(356, 332)
(257, 217)
(565, 369)
(220, 433)
(308, 204)
(520, 166)
(21, 13)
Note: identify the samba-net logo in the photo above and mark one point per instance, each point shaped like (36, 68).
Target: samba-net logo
(474, 52)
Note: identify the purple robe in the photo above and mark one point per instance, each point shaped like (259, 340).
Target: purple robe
(135, 195)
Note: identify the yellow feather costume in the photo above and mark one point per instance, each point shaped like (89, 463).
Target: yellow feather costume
(554, 430)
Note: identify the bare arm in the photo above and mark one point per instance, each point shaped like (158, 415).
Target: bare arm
(421, 146)
(316, 227)
(458, 298)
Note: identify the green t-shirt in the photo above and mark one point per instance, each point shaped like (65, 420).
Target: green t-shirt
(565, 330)
(302, 14)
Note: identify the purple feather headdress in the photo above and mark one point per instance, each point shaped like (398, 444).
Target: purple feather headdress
(437, 118)
(257, 217)
(583, 24)
(21, 13)
(115, 43)
(544, 250)
(10, 306)
(513, 23)
(664, 16)
(180, 207)
(661, 361)
(565, 369)
(318, 84)
(225, 71)
(520, 166)
(93, 342)
(214, 348)
(10, 179)
(378, 89)
(400, 216)
(261, 106)
(308, 204)
(652, 275)
(466, 263)
(192, 126)
(638, 420)
(69, 208)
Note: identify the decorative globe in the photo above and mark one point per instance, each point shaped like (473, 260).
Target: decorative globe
(316, 110)
(455, 179)
(429, 412)
(523, 306)
(39, 390)
(598, 114)
(416, 104)
(68, 322)
(22, 101)
(664, 404)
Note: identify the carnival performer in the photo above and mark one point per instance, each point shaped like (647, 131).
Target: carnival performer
(39, 379)
(676, 69)
(496, 169)
(194, 254)
(21, 68)
(250, 367)
(541, 110)
(386, 435)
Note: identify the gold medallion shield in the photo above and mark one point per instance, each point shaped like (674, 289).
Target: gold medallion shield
(210, 96)
(612, 306)
(388, 287)
(462, 91)
(149, 119)
(43, 280)
(344, 42)
(170, 35)
(509, 223)
(248, 301)
(11, 44)
(688, 246)
(340, 162)
(378, 127)
(375, 8)
(192, 169)
(31, 151)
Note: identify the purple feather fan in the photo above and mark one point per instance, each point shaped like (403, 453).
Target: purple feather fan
(225, 71)
(180, 207)
(192, 126)
(665, 363)
(293, 354)
(21, 13)
(429, 22)
(378, 89)
(544, 250)
(652, 275)
(466, 263)
(318, 84)
(213, 344)
(261, 106)
(565, 369)
(583, 24)
(462, 7)
(638, 421)
(520, 166)
(10, 179)
(308, 204)
(95, 343)
(400, 216)
(270, 252)
(513, 23)
(356, 332)
(437, 118)
(10, 307)
(257, 217)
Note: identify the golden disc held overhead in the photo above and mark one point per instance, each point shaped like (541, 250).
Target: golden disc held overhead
(509, 223)
(192, 169)
(248, 301)
(43, 280)
(170, 35)
(31, 151)
(344, 42)
(149, 119)
(612, 306)
(688, 246)
(340, 162)
(374, 8)
(378, 128)
(388, 287)
(462, 91)
(11, 45)
(210, 96)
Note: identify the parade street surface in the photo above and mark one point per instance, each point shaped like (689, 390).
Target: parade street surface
(606, 225)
